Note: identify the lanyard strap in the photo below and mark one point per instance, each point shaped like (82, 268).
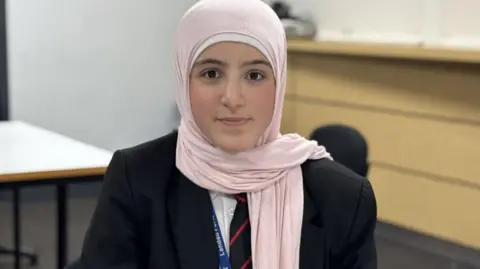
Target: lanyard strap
(222, 251)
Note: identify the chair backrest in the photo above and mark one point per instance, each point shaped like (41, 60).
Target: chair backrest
(346, 145)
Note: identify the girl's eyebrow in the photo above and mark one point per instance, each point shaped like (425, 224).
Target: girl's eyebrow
(257, 62)
(210, 61)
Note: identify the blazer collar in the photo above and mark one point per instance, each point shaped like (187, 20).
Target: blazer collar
(314, 244)
(190, 211)
(189, 208)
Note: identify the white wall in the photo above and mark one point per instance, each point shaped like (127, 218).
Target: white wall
(432, 22)
(98, 71)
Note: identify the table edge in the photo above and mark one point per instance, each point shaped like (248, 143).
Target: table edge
(42, 175)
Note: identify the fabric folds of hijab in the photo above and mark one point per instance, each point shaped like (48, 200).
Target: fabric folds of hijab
(270, 173)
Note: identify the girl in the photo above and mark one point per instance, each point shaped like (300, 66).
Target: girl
(228, 190)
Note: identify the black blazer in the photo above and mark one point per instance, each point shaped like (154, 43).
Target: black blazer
(149, 216)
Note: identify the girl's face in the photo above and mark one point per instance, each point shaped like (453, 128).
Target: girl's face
(232, 95)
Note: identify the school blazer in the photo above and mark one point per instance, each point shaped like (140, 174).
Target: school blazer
(150, 216)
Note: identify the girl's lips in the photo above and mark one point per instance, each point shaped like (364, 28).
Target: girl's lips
(234, 121)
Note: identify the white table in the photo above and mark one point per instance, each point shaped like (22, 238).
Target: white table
(31, 156)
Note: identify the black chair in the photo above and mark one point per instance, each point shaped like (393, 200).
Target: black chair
(346, 145)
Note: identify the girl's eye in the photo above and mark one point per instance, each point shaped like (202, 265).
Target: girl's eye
(255, 76)
(211, 74)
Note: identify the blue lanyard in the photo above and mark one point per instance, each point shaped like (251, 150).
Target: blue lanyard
(222, 251)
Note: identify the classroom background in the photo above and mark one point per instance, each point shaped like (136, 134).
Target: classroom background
(404, 74)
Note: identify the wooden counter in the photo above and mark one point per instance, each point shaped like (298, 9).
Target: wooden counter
(420, 111)
(388, 51)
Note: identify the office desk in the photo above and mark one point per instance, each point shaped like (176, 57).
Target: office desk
(32, 156)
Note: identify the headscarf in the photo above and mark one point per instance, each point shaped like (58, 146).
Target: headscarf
(270, 173)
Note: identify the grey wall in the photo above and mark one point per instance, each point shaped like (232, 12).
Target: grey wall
(98, 71)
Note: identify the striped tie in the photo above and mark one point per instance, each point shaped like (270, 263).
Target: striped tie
(240, 246)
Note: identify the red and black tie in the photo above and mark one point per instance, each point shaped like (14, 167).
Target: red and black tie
(240, 246)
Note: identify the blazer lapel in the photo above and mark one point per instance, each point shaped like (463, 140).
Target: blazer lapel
(313, 245)
(189, 208)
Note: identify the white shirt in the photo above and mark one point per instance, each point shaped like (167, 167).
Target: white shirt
(224, 206)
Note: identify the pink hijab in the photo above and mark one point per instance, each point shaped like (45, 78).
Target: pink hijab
(270, 173)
